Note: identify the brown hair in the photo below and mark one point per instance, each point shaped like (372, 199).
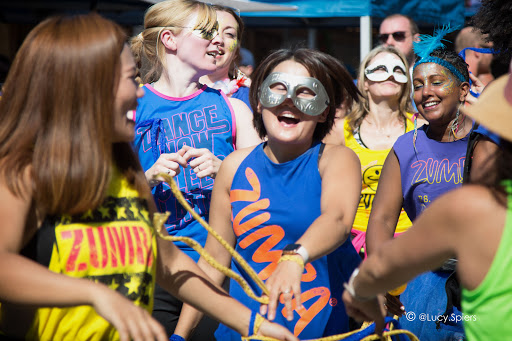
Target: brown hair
(56, 112)
(173, 15)
(328, 70)
(413, 27)
(362, 108)
(239, 34)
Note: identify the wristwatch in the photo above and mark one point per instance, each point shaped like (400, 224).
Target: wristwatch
(296, 249)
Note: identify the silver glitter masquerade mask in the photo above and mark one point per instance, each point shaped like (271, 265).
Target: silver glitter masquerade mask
(310, 105)
(385, 67)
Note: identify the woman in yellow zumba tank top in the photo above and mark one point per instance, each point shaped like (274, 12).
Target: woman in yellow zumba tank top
(79, 254)
(373, 125)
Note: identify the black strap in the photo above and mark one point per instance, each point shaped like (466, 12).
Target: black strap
(320, 152)
(473, 139)
(453, 299)
(45, 240)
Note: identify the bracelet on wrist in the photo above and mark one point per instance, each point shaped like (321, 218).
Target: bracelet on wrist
(294, 258)
(175, 337)
(351, 290)
(255, 323)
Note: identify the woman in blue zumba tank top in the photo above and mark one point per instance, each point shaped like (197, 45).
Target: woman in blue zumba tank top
(287, 205)
(183, 127)
(424, 164)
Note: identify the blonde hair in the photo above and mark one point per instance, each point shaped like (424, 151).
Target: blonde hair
(173, 15)
(362, 108)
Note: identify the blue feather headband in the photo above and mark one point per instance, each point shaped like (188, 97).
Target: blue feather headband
(428, 44)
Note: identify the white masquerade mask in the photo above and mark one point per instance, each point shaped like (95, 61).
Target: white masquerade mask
(385, 67)
(310, 104)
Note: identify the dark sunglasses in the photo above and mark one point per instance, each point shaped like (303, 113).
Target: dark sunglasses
(397, 36)
(202, 32)
(208, 35)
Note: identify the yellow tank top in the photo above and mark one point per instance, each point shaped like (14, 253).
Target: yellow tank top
(371, 168)
(113, 244)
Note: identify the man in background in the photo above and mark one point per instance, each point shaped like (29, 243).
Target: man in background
(247, 65)
(479, 63)
(400, 31)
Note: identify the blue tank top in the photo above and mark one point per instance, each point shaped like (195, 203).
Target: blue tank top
(272, 206)
(433, 169)
(243, 94)
(164, 124)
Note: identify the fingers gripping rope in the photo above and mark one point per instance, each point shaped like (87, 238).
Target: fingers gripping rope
(363, 334)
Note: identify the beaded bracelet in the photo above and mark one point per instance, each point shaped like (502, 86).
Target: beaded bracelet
(255, 323)
(294, 258)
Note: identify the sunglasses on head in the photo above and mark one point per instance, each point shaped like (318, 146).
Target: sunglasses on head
(397, 36)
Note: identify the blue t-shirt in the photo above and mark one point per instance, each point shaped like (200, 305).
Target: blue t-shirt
(429, 171)
(164, 124)
(272, 206)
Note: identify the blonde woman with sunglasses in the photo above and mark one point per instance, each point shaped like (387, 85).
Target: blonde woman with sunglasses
(184, 128)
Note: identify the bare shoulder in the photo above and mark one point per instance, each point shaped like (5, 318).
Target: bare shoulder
(239, 105)
(338, 153)
(338, 157)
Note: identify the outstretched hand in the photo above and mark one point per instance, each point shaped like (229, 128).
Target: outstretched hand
(371, 310)
(132, 322)
(394, 305)
(284, 280)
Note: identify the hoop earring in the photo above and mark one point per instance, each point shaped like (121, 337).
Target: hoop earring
(455, 125)
(415, 135)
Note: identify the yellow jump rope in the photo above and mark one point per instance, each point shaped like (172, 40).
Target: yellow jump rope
(160, 218)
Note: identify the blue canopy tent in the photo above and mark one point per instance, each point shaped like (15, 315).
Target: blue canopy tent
(433, 13)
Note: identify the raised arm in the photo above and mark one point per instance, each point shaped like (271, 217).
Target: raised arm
(341, 188)
(387, 205)
(452, 226)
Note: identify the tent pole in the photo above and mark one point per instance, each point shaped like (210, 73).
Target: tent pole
(312, 38)
(365, 36)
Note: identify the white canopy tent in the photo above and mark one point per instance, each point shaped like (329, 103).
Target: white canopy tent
(243, 5)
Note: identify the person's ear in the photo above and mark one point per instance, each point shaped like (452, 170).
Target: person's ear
(168, 39)
(464, 91)
(365, 87)
(416, 37)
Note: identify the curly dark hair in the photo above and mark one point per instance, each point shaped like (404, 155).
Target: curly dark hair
(453, 58)
(328, 70)
(494, 18)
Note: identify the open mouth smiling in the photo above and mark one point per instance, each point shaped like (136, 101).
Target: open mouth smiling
(288, 119)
